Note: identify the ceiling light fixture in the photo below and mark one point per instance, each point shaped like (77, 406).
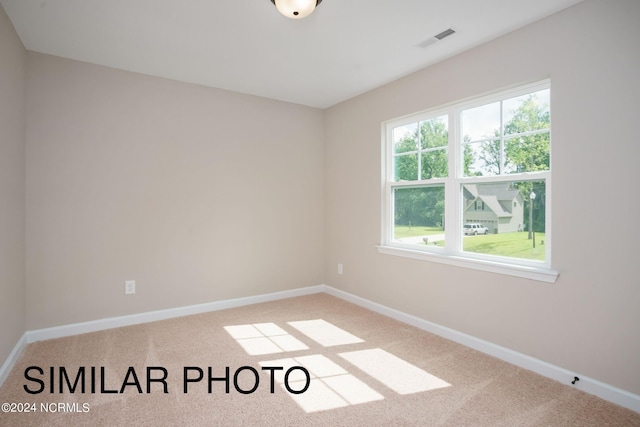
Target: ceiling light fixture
(296, 9)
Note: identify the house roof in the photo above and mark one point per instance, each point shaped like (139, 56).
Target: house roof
(492, 195)
(492, 203)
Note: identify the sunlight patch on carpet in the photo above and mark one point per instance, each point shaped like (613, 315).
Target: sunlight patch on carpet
(397, 374)
(325, 333)
(331, 386)
(264, 338)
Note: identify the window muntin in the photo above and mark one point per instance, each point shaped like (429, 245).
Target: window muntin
(501, 149)
(479, 123)
(508, 136)
(420, 150)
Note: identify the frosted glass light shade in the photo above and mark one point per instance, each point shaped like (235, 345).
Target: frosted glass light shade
(296, 9)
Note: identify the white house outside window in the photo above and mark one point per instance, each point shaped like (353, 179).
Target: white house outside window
(458, 182)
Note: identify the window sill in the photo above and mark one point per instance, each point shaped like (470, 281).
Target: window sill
(533, 273)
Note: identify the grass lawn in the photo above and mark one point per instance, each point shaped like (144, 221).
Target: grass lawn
(515, 245)
(403, 231)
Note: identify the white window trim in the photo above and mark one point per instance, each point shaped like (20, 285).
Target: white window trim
(533, 273)
(451, 254)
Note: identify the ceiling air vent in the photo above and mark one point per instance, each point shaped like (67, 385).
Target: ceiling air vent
(445, 33)
(436, 38)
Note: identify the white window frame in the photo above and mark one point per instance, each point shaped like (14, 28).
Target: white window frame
(452, 253)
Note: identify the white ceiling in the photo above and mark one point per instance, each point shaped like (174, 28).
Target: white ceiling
(345, 48)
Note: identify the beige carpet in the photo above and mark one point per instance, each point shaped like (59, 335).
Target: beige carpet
(364, 369)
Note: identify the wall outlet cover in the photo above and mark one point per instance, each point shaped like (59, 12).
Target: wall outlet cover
(129, 287)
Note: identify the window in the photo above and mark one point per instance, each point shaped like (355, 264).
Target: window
(469, 183)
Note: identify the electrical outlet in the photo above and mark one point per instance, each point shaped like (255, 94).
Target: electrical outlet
(129, 287)
(340, 269)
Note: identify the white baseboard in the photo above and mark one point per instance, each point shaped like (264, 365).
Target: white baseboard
(565, 376)
(15, 354)
(134, 319)
(152, 316)
(589, 385)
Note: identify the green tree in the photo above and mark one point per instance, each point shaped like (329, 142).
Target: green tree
(434, 137)
(427, 147)
(522, 153)
(468, 158)
(422, 206)
(406, 159)
(528, 153)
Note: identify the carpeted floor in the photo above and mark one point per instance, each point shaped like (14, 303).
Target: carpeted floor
(363, 369)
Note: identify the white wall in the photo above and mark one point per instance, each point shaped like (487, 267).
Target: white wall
(589, 320)
(198, 194)
(12, 170)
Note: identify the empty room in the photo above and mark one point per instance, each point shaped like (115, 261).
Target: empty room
(319, 212)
